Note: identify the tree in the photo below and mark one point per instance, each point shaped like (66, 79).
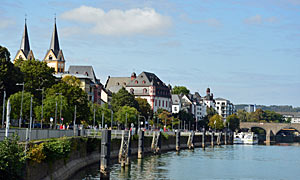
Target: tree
(99, 110)
(37, 75)
(233, 122)
(144, 107)
(242, 115)
(15, 101)
(74, 96)
(50, 107)
(9, 75)
(131, 115)
(216, 122)
(165, 117)
(123, 98)
(186, 117)
(210, 112)
(180, 90)
(71, 80)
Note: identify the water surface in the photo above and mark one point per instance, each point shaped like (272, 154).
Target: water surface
(225, 162)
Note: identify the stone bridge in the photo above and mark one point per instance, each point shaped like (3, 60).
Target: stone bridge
(270, 128)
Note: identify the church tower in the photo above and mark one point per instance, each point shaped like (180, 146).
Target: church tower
(24, 52)
(54, 56)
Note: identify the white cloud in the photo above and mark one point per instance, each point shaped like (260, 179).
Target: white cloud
(258, 19)
(119, 22)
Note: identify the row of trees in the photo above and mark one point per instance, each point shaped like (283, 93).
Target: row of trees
(260, 116)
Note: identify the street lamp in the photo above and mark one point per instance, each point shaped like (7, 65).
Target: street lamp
(42, 114)
(60, 105)
(3, 113)
(20, 120)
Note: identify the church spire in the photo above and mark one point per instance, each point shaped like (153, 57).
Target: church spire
(54, 40)
(25, 41)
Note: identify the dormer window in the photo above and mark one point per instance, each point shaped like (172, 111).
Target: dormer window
(131, 90)
(50, 57)
(144, 82)
(144, 90)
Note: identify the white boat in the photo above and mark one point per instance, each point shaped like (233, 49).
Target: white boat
(245, 138)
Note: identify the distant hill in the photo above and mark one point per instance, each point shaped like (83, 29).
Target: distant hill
(271, 108)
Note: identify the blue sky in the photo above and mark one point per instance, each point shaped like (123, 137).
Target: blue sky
(247, 51)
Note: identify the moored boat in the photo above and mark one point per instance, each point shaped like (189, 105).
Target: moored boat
(245, 138)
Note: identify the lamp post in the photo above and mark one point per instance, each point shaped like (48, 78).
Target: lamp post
(42, 114)
(3, 112)
(60, 106)
(112, 118)
(20, 120)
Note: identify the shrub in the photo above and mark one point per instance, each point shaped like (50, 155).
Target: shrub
(36, 153)
(12, 159)
(57, 149)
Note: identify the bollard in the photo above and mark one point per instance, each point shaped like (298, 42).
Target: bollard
(105, 154)
(203, 138)
(212, 139)
(218, 139)
(177, 140)
(141, 144)
(159, 142)
(225, 138)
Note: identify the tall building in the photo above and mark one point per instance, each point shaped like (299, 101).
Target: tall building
(54, 56)
(24, 52)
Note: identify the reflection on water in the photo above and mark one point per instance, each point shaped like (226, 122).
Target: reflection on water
(225, 162)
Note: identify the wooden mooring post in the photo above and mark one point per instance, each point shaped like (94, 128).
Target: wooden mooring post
(141, 144)
(177, 140)
(125, 149)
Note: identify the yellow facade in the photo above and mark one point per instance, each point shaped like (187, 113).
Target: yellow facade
(53, 62)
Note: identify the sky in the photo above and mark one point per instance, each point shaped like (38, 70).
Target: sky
(247, 51)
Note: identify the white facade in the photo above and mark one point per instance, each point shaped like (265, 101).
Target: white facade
(295, 119)
(223, 107)
(200, 111)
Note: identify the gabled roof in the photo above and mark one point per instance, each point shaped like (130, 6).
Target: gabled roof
(84, 70)
(114, 84)
(176, 99)
(220, 99)
(146, 79)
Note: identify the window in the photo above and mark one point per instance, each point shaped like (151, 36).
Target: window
(163, 103)
(159, 103)
(144, 82)
(155, 102)
(20, 57)
(175, 108)
(131, 90)
(144, 90)
(166, 103)
(50, 57)
(118, 83)
(124, 83)
(136, 82)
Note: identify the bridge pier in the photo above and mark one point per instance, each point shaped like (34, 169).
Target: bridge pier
(141, 145)
(177, 140)
(203, 138)
(105, 154)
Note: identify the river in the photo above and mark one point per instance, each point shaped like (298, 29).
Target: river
(232, 162)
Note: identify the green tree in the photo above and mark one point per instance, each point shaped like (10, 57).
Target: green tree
(186, 117)
(216, 122)
(12, 159)
(75, 96)
(71, 80)
(233, 122)
(180, 90)
(15, 101)
(37, 75)
(131, 115)
(165, 117)
(9, 75)
(242, 115)
(123, 98)
(49, 109)
(210, 111)
(144, 107)
(99, 110)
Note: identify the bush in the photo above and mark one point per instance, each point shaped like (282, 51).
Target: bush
(57, 149)
(36, 153)
(12, 159)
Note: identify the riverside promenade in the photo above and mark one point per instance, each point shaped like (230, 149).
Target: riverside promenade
(106, 147)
